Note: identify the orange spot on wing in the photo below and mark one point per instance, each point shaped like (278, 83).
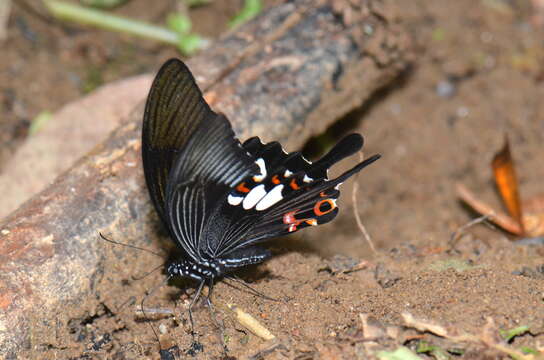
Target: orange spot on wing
(275, 180)
(294, 185)
(242, 188)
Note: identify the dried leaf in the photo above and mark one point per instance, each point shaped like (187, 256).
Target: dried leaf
(500, 219)
(507, 182)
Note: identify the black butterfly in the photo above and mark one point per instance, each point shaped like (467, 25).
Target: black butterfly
(219, 198)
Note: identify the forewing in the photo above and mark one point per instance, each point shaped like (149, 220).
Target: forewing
(190, 154)
(213, 156)
(174, 110)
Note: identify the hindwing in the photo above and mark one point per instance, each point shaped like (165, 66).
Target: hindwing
(290, 193)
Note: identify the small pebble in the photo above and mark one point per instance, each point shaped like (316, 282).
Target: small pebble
(446, 89)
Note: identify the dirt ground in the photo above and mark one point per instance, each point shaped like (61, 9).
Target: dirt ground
(476, 77)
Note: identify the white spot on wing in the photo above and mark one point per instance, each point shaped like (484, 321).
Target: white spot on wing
(337, 187)
(253, 197)
(271, 198)
(308, 161)
(235, 200)
(287, 173)
(262, 167)
(307, 179)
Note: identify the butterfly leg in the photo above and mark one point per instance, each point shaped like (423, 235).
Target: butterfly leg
(219, 325)
(195, 298)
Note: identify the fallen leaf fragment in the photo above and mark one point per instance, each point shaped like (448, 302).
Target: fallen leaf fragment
(525, 219)
(489, 336)
(500, 219)
(401, 353)
(506, 179)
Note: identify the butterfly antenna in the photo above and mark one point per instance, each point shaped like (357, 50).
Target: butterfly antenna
(143, 310)
(130, 246)
(137, 278)
(251, 290)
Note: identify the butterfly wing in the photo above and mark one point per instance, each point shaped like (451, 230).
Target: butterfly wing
(173, 111)
(190, 155)
(291, 193)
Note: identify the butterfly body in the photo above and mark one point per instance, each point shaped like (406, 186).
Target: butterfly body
(219, 198)
(210, 269)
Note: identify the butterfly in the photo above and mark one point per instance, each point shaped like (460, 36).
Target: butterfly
(219, 198)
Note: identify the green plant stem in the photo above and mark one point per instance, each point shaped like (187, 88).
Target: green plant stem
(103, 4)
(104, 20)
(250, 10)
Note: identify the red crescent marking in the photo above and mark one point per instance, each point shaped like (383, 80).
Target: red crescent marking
(289, 218)
(275, 179)
(242, 188)
(294, 185)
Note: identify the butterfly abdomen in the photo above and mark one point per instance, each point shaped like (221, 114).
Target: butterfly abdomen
(214, 268)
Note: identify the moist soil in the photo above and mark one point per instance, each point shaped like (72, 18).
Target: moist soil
(477, 75)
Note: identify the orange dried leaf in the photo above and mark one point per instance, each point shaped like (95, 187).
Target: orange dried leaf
(507, 182)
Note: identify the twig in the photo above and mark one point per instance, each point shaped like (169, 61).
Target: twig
(486, 337)
(251, 323)
(160, 311)
(461, 229)
(356, 210)
(502, 220)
